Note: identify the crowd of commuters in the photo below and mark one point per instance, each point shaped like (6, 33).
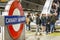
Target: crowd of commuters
(45, 23)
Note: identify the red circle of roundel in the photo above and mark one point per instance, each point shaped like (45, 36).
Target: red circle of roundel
(15, 34)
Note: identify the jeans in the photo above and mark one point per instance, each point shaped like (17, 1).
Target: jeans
(52, 26)
(47, 28)
(27, 27)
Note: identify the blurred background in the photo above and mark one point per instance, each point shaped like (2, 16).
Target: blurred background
(33, 7)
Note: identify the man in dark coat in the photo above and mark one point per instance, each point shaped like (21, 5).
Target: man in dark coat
(38, 23)
(43, 22)
(48, 23)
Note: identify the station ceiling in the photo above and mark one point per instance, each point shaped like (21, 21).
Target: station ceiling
(41, 2)
(35, 5)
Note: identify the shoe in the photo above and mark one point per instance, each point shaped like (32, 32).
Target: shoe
(50, 32)
(40, 34)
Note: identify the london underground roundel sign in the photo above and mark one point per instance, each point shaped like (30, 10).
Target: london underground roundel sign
(13, 6)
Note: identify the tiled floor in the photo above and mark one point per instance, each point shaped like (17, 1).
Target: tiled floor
(43, 38)
(31, 36)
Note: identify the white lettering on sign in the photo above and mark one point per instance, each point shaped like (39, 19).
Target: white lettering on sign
(8, 20)
(21, 19)
(14, 19)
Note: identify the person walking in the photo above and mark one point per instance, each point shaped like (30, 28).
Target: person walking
(52, 23)
(38, 23)
(27, 23)
(43, 22)
(31, 20)
(48, 23)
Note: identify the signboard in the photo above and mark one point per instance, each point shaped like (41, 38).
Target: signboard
(13, 33)
(14, 19)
